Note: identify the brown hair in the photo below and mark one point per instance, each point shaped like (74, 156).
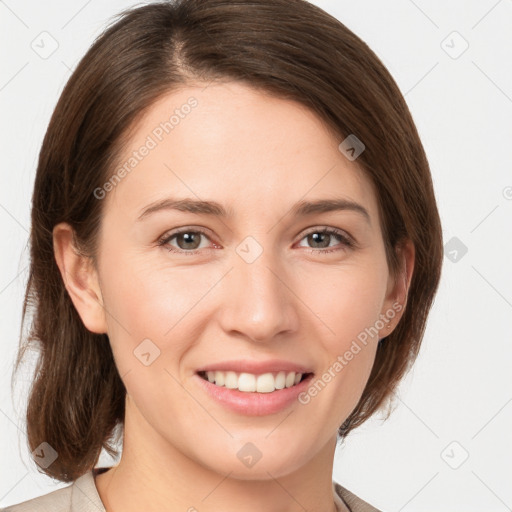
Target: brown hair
(288, 48)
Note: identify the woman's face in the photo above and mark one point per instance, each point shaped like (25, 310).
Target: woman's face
(258, 284)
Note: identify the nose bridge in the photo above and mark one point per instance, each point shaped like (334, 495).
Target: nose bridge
(259, 305)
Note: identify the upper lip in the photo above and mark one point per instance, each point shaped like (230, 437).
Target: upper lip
(255, 367)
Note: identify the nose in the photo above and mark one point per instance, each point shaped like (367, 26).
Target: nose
(259, 302)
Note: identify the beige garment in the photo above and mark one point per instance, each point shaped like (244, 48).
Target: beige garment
(82, 496)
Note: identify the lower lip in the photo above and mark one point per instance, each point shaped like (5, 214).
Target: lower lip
(254, 404)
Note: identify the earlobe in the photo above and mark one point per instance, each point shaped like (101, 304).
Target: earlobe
(80, 279)
(398, 288)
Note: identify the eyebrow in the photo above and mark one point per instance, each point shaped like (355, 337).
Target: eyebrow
(300, 209)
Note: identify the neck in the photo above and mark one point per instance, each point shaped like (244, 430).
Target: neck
(154, 475)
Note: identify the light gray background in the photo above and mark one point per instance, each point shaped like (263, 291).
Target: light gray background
(456, 403)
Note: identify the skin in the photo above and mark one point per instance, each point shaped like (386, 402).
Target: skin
(256, 155)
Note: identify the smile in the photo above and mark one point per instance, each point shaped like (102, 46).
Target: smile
(251, 383)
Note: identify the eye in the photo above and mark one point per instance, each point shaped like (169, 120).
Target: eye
(188, 241)
(322, 238)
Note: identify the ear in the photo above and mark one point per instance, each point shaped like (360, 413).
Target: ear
(398, 288)
(80, 279)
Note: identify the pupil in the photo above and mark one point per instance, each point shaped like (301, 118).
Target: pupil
(324, 236)
(189, 237)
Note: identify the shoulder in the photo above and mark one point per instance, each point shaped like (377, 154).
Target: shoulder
(80, 496)
(56, 501)
(353, 502)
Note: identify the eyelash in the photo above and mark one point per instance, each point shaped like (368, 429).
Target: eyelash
(344, 239)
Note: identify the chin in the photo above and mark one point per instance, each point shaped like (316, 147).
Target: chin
(251, 463)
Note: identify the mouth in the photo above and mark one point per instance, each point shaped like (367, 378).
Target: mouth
(254, 383)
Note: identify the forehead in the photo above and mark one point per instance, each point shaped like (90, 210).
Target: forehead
(244, 148)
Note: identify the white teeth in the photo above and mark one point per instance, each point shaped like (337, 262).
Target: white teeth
(231, 380)
(290, 379)
(265, 383)
(219, 377)
(280, 380)
(248, 382)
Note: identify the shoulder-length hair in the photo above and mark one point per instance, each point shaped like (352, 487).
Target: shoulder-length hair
(288, 48)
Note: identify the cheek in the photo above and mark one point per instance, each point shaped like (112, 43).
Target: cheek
(145, 302)
(347, 300)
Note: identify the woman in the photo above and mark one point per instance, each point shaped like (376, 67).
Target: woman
(271, 140)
